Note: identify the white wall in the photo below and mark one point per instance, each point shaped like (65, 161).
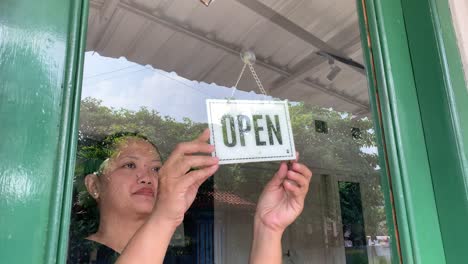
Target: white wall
(459, 10)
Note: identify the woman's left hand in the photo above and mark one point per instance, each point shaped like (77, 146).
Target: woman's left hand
(282, 199)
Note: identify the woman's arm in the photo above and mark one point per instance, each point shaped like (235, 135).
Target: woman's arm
(177, 188)
(150, 242)
(280, 203)
(266, 245)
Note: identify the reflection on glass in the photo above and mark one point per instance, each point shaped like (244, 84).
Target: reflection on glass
(353, 222)
(177, 57)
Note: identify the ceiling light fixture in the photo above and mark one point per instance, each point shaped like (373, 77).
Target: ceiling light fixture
(206, 2)
(334, 68)
(334, 71)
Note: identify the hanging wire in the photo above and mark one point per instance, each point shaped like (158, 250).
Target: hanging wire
(238, 80)
(109, 72)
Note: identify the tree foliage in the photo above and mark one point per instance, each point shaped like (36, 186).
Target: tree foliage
(336, 150)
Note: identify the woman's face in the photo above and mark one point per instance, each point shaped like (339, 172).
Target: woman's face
(129, 182)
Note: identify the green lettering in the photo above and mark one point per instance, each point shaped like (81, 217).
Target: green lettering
(258, 129)
(232, 131)
(274, 130)
(242, 128)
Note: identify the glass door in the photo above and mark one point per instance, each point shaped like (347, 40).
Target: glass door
(151, 65)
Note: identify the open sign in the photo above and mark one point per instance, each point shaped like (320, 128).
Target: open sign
(250, 131)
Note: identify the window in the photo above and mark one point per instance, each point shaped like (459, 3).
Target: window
(151, 65)
(321, 126)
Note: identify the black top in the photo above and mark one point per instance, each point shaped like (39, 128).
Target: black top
(91, 252)
(86, 251)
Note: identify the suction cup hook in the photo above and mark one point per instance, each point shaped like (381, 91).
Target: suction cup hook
(248, 57)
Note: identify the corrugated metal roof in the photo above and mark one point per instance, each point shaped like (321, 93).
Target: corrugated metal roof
(203, 44)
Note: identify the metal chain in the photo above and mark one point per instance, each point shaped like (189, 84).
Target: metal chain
(257, 80)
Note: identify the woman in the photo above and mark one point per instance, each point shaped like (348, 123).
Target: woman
(146, 201)
(124, 187)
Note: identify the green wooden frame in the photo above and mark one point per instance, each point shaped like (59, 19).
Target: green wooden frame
(443, 100)
(406, 154)
(74, 78)
(419, 101)
(41, 58)
(61, 202)
(423, 100)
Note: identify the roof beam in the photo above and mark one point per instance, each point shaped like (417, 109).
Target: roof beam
(286, 24)
(306, 66)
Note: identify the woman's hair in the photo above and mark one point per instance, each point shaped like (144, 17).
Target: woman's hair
(94, 157)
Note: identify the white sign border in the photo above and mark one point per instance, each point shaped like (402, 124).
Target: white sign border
(291, 156)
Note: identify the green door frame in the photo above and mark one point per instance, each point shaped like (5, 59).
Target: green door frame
(42, 47)
(443, 100)
(419, 101)
(423, 120)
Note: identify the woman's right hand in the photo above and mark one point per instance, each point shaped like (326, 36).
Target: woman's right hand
(181, 176)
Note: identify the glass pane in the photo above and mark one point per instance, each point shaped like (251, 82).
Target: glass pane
(149, 69)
